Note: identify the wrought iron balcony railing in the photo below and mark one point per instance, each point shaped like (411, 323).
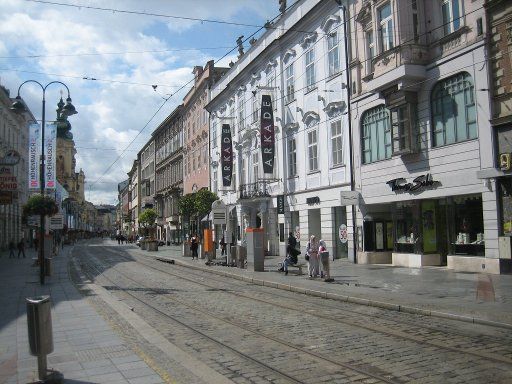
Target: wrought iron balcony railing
(253, 190)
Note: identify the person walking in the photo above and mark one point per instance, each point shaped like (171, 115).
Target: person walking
(21, 248)
(312, 252)
(222, 246)
(323, 255)
(193, 246)
(12, 247)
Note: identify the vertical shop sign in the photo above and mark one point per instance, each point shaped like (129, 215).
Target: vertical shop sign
(428, 218)
(50, 145)
(226, 155)
(33, 155)
(267, 134)
(280, 204)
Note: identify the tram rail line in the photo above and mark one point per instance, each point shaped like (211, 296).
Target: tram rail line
(370, 327)
(320, 357)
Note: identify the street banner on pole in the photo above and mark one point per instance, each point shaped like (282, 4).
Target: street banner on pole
(267, 134)
(34, 145)
(50, 146)
(226, 159)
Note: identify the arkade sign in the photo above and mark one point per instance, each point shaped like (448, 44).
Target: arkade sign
(226, 156)
(419, 183)
(267, 134)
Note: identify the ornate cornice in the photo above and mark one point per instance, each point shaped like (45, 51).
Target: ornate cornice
(289, 53)
(308, 39)
(332, 19)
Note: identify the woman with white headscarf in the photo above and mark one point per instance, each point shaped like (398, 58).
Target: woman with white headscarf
(312, 252)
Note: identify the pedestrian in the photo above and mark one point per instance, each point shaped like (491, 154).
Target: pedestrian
(312, 252)
(12, 247)
(324, 259)
(36, 243)
(193, 246)
(291, 254)
(21, 247)
(222, 246)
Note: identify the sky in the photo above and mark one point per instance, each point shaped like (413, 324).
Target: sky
(110, 54)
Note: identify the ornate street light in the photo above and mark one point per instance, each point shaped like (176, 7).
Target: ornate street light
(67, 110)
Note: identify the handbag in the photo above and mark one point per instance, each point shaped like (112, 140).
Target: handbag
(306, 257)
(324, 254)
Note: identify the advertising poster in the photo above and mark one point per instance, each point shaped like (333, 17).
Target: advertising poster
(50, 163)
(34, 145)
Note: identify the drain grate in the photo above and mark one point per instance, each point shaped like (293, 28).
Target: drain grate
(103, 352)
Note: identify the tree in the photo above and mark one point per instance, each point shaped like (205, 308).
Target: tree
(147, 219)
(203, 201)
(187, 206)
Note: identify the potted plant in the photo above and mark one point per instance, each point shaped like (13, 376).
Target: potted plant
(147, 221)
(40, 205)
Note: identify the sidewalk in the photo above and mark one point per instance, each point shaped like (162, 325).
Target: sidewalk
(432, 291)
(86, 349)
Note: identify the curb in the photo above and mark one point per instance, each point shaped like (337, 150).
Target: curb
(343, 298)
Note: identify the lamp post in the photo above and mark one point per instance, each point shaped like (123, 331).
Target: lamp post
(67, 110)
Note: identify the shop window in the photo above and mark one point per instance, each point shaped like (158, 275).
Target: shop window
(378, 235)
(376, 135)
(467, 225)
(505, 191)
(454, 110)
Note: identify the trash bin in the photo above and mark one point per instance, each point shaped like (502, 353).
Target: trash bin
(39, 321)
(48, 266)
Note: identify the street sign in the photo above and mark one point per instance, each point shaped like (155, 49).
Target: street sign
(57, 221)
(349, 198)
(33, 221)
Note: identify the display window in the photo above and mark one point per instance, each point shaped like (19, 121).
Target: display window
(466, 225)
(505, 196)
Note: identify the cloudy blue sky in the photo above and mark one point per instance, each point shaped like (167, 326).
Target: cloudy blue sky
(126, 46)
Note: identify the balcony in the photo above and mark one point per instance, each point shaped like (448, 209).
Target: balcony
(254, 190)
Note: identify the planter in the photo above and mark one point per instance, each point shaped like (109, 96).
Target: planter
(151, 245)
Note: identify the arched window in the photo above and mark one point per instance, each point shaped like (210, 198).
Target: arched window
(453, 110)
(376, 134)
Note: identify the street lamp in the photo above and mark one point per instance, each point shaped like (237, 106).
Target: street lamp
(67, 110)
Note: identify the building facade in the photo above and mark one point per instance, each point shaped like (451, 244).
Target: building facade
(421, 134)
(282, 109)
(13, 136)
(168, 139)
(146, 157)
(133, 199)
(196, 128)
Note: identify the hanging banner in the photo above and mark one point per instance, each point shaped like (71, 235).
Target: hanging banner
(34, 133)
(50, 147)
(226, 159)
(267, 134)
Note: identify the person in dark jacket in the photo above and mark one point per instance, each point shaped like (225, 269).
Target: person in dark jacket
(291, 254)
(194, 244)
(12, 247)
(21, 248)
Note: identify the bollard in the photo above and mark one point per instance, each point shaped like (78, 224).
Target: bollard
(48, 266)
(40, 337)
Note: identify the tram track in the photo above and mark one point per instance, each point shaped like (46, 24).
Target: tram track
(386, 330)
(92, 270)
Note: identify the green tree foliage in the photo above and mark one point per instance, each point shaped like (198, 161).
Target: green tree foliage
(147, 218)
(186, 205)
(203, 201)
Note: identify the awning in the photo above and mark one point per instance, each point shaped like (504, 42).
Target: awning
(206, 218)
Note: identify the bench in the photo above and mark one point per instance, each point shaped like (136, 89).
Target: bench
(299, 266)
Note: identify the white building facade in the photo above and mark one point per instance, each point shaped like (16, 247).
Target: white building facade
(421, 134)
(299, 62)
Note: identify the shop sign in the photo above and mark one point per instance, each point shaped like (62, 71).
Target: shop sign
(50, 145)
(505, 161)
(313, 200)
(8, 181)
(418, 184)
(226, 159)
(343, 234)
(280, 204)
(57, 221)
(267, 134)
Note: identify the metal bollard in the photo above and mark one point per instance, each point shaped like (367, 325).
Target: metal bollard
(40, 336)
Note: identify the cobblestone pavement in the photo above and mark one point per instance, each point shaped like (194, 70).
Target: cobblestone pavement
(250, 333)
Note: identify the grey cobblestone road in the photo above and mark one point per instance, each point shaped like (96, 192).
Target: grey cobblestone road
(256, 334)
